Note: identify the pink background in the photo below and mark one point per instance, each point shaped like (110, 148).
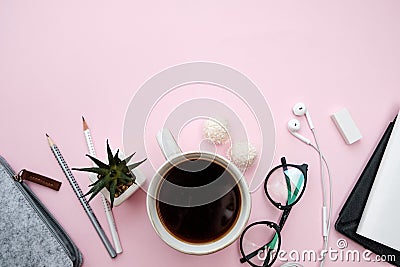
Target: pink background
(61, 60)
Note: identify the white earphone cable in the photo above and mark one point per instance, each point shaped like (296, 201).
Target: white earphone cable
(330, 202)
(300, 109)
(326, 219)
(321, 168)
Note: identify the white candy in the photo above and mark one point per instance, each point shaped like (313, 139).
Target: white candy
(216, 131)
(242, 154)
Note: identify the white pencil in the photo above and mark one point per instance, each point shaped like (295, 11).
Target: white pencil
(107, 209)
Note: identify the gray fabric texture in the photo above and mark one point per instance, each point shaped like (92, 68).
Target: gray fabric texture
(25, 240)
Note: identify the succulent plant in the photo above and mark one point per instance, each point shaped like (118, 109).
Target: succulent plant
(115, 176)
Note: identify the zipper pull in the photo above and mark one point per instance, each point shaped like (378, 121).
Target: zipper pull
(25, 175)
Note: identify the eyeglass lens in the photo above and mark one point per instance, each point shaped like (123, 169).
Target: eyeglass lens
(285, 185)
(260, 244)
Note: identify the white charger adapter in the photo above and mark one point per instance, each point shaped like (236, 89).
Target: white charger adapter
(346, 126)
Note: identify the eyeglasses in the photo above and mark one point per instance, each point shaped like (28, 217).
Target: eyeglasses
(260, 241)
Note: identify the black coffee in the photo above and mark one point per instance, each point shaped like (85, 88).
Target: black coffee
(203, 201)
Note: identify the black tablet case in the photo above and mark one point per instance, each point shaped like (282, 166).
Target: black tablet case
(351, 213)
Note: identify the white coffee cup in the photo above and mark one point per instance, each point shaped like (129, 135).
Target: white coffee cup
(174, 155)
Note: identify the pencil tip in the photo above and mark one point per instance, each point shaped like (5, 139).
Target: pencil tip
(85, 126)
(49, 140)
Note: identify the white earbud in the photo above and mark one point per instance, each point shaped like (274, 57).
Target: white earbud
(293, 127)
(300, 109)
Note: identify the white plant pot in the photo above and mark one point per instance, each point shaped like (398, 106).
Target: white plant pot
(140, 179)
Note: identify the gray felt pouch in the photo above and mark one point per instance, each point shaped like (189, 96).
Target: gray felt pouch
(29, 234)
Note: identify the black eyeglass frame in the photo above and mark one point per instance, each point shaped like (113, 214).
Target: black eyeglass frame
(277, 227)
